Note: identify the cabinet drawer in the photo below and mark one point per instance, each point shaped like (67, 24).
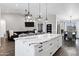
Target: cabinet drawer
(40, 52)
(45, 45)
(51, 50)
(40, 48)
(48, 48)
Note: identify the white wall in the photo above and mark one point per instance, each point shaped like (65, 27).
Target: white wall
(15, 22)
(52, 20)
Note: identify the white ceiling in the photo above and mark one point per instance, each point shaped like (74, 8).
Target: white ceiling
(62, 10)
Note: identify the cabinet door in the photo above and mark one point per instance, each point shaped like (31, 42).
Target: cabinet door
(60, 41)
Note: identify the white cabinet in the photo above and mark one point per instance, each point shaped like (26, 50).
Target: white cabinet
(46, 48)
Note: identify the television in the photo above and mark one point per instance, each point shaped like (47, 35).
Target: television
(29, 24)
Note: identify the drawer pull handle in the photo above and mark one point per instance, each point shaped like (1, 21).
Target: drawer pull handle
(40, 46)
(32, 43)
(58, 40)
(50, 44)
(45, 41)
(57, 46)
(41, 50)
(41, 43)
(50, 52)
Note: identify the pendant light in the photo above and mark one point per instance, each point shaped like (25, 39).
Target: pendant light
(39, 17)
(46, 19)
(70, 20)
(28, 16)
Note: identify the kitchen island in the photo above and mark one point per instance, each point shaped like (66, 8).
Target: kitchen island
(38, 45)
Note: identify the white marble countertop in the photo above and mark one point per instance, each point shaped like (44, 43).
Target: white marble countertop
(38, 38)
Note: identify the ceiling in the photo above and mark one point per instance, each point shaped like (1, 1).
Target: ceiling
(62, 10)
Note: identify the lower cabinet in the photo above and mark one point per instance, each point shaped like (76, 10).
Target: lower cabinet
(48, 48)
